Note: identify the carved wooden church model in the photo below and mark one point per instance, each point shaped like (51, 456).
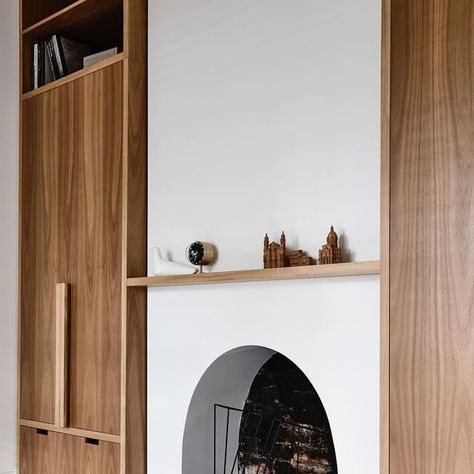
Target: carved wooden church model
(274, 255)
(331, 252)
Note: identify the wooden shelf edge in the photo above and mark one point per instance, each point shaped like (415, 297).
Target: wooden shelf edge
(287, 273)
(57, 15)
(54, 16)
(71, 431)
(72, 77)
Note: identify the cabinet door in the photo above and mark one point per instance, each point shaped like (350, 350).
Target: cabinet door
(90, 192)
(432, 237)
(39, 256)
(47, 452)
(71, 232)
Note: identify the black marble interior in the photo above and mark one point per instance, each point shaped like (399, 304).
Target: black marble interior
(284, 428)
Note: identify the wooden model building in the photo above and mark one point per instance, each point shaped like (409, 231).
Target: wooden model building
(297, 258)
(274, 255)
(331, 252)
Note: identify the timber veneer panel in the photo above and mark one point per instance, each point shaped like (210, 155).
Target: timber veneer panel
(56, 453)
(71, 227)
(39, 257)
(91, 206)
(83, 224)
(432, 235)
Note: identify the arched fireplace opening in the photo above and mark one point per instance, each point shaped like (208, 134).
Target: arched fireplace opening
(255, 412)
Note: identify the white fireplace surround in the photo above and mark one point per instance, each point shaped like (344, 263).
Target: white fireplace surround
(265, 116)
(329, 328)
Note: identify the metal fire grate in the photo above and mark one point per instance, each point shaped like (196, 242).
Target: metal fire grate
(245, 442)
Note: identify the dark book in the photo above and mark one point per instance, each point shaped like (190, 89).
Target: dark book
(57, 56)
(69, 54)
(42, 73)
(52, 61)
(48, 70)
(39, 62)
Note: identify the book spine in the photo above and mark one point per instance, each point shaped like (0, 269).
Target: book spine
(59, 56)
(41, 53)
(35, 65)
(52, 60)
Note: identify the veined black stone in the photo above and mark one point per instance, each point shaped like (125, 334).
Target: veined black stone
(284, 428)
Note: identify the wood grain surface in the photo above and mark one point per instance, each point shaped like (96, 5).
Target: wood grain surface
(385, 243)
(62, 356)
(284, 273)
(134, 240)
(91, 219)
(39, 258)
(432, 236)
(73, 77)
(71, 431)
(81, 12)
(71, 228)
(56, 453)
(37, 10)
(83, 222)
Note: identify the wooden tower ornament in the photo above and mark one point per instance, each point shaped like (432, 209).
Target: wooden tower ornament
(331, 252)
(274, 255)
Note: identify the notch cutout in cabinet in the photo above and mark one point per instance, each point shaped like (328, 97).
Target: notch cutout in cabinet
(93, 441)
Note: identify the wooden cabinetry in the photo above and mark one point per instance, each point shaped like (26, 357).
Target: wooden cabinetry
(73, 165)
(51, 453)
(83, 192)
(431, 401)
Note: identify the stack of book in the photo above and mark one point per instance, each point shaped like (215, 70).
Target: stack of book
(60, 56)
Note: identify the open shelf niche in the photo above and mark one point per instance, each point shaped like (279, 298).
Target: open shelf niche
(98, 23)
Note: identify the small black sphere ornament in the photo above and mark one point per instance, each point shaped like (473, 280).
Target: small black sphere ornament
(200, 253)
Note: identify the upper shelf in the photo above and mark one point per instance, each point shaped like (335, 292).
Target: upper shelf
(287, 273)
(78, 14)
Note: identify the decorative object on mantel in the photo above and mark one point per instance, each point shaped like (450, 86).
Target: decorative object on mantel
(297, 258)
(163, 266)
(201, 253)
(331, 252)
(274, 255)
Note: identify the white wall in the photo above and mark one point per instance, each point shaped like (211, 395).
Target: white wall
(264, 116)
(8, 230)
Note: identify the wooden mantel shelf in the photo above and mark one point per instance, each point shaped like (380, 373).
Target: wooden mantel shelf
(287, 273)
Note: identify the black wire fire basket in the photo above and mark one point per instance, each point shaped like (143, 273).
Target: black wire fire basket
(247, 442)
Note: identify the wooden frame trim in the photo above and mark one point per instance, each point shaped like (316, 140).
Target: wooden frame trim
(385, 241)
(71, 431)
(20, 161)
(124, 262)
(286, 273)
(72, 8)
(74, 76)
(62, 352)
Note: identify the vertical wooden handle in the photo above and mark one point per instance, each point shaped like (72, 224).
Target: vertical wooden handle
(62, 351)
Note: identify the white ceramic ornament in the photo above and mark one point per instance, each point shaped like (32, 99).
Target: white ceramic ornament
(163, 266)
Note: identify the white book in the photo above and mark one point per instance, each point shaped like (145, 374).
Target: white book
(35, 66)
(95, 58)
